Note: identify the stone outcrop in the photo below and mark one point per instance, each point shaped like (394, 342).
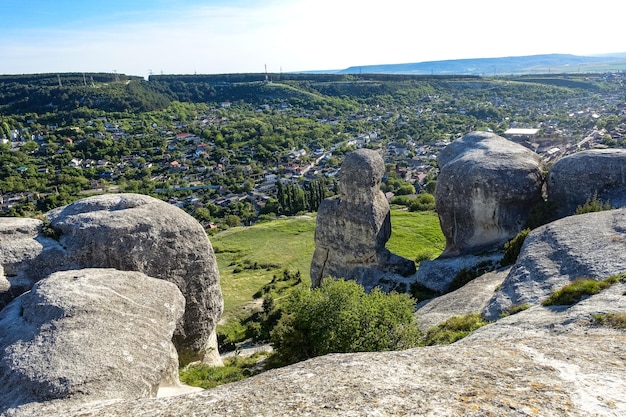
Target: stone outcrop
(585, 246)
(579, 177)
(542, 361)
(439, 274)
(26, 256)
(473, 297)
(353, 228)
(129, 232)
(485, 190)
(91, 334)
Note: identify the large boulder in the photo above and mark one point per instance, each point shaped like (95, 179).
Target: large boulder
(485, 190)
(90, 334)
(353, 228)
(584, 246)
(579, 177)
(542, 361)
(129, 232)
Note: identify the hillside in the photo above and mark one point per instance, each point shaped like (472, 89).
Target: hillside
(287, 244)
(532, 64)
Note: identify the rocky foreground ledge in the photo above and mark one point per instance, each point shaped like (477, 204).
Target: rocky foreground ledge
(540, 362)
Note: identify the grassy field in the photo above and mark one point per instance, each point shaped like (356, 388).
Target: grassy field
(248, 257)
(415, 234)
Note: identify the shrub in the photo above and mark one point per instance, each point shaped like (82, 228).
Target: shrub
(466, 275)
(425, 255)
(48, 230)
(423, 202)
(340, 316)
(401, 200)
(513, 247)
(514, 309)
(234, 369)
(615, 320)
(580, 288)
(592, 205)
(575, 292)
(453, 329)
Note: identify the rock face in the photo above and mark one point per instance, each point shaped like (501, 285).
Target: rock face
(89, 334)
(129, 232)
(574, 179)
(584, 246)
(352, 230)
(439, 274)
(473, 297)
(542, 361)
(26, 256)
(485, 189)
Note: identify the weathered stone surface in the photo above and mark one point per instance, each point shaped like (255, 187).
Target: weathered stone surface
(485, 189)
(26, 256)
(128, 232)
(440, 273)
(576, 178)
(586, 246)
(90, 334)
(543, 361)
(352, 229)
(473, 297)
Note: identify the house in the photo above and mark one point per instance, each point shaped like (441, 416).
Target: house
(75, 162)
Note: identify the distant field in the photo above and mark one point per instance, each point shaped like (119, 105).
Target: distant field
(288, 244)
(415, 233)
(284, 243)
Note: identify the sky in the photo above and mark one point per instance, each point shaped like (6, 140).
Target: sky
(143, 37)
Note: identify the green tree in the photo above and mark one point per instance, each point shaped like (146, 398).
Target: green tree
(232, 220)
(340, 316)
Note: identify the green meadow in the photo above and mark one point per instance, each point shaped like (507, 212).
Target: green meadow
(249, 257)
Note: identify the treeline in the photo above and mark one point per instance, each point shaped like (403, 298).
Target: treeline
(224, 79)
(293, 199)
(34, 95)
(65, 79)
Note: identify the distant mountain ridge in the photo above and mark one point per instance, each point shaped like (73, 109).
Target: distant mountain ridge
(531, 64)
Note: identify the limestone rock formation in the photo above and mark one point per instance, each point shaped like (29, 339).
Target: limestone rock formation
(91, 334)
(584, 246)
(129, 232)
(26, 256)
(352, 229)
(574, 179)
(485, 189)
(473, 297)
(542, 361)
(439, 274)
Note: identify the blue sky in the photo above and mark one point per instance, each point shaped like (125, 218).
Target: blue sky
(204, 36)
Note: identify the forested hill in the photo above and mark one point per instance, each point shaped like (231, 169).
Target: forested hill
(42, 93)
(71, 92)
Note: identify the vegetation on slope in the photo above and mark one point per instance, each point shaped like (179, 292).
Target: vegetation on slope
(453, 329)
(341, 317)
(288, 245)
(579, 289)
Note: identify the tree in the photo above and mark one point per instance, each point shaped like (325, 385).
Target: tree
(232, 220)
(340, 316)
